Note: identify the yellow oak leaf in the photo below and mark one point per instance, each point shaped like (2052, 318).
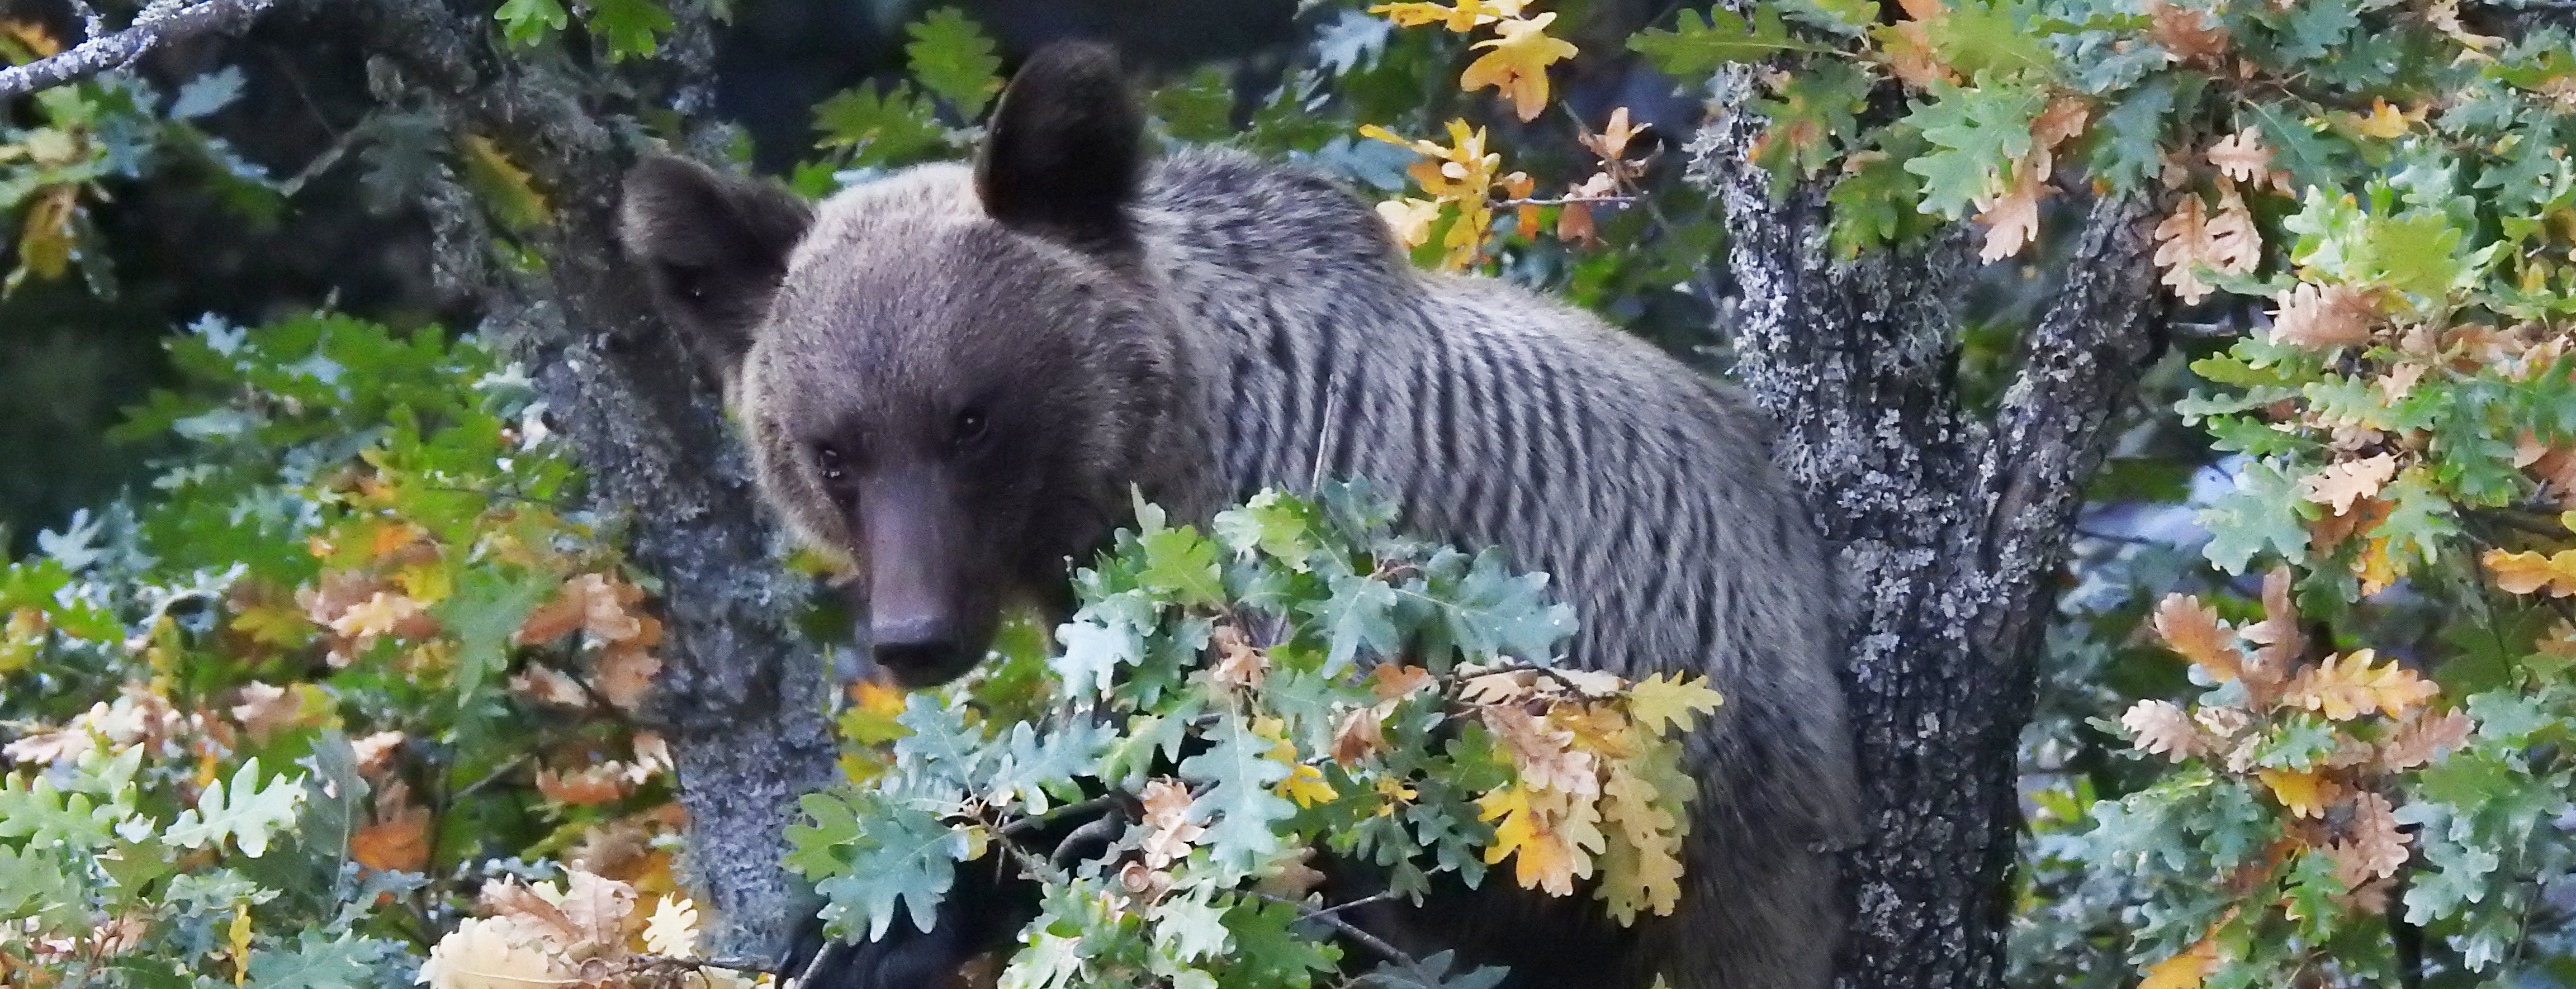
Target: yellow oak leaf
(2303, 794)
(2383, 121)
(1465, 16)
(1517, 63)
(2186, 970)
(1664, 702)
(2346, 688)
(1305, 785)
(1410, 219)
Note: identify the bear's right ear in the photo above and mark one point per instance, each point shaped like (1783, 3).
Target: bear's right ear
(713, 247)
(1064, 152)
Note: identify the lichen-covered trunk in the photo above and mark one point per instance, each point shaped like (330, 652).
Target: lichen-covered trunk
(741, 695)
(1948, 522)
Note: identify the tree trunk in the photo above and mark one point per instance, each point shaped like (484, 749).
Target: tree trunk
(742, 695)
(1948, 524)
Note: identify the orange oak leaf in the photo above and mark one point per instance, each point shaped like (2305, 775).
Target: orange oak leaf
(2346, 688)
(2194, 631)
(2528, 572)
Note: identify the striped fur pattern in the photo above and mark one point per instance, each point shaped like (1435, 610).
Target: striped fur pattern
(1222, 324)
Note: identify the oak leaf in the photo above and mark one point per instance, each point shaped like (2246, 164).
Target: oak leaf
(2163, 729)
(2323, 316)
(672, 929)
(1169, 831)
(2193, 630)
(2422, 739)
(1361, 734)
(1390, 680)
(2303, 794)
(1517, 63)
(2186, 970)
(2186, 34)
(2346, 688)
(2012, 218)
(2528, 572)
(624, 674)
(397, 840)
(2373, 846)
(2241, 156)
(1544, 756)
(2339, 485)
(1666, 701)
(492, 953)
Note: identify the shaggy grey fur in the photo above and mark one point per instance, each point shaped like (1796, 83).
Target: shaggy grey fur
(987, 379)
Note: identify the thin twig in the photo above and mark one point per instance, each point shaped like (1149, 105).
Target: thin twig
(149, 31)
(1569, 200)
(745, 966)
(1346, 927)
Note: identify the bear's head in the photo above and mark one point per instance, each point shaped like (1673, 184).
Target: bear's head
(949, 378)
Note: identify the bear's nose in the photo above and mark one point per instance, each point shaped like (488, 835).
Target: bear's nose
(918, 651)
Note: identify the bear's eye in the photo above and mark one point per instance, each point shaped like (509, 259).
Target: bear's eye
(969, 426)
(828, 462)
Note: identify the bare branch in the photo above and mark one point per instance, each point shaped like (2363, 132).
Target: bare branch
(158, 25)
(1389, 951)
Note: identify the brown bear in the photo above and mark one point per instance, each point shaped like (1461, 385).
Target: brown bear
(952, 376)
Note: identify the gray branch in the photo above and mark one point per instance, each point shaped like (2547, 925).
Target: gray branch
(158, 25)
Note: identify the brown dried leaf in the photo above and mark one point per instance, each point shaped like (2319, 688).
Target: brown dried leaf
(2012, 219)
(2187, 34)
(398, 839)
(2339, 485)
(602, 909)
(2163, 729)
(624, 674)
(594, 784)
(2323, 316)
(2422, 739)
(2241, 156)
(264, 709)
(1546, 757)
(2062, 121)
(1390, 681)
(1169, 830)
(2374, 848)
(547, 685)
(2277, 634)
(1239, 666)
(1360, 735)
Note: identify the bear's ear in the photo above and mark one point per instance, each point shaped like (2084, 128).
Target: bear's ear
(1065, 149)
(713, 247)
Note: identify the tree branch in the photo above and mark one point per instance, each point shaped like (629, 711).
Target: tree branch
(158, 25)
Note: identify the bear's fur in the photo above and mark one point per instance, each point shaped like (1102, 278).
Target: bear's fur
(951, 378)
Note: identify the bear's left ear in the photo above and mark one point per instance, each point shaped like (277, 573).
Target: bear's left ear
(713, 248)
(1065, 150)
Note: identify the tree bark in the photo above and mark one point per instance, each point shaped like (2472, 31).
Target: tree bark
(742, 694)
(1948, 523)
